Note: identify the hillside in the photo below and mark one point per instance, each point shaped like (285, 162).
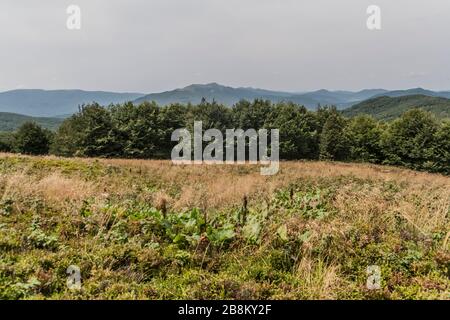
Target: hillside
(152, 230)
(11, 121)
(414, 91)
(388, 108)
(53, 103)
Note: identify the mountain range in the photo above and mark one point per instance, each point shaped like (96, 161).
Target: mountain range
(229, 96)
(61, 103)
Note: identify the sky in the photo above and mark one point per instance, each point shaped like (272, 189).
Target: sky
(291, 45)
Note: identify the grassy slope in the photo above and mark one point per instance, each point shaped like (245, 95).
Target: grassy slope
(314, 242)
(12, 121)
(387, 108)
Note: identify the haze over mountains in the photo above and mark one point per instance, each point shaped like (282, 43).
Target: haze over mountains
(54, 103)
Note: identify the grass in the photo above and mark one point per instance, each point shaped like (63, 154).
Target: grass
(152, 230)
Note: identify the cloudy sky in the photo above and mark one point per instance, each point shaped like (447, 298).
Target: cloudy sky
(155, 45)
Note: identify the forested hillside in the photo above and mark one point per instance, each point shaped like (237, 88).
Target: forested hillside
(12, 121)
(388, 108)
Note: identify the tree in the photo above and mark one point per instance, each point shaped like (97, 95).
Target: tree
(409, 141)
(88, 133)
(6, 141)
(171, 117)
(30, 138)
(212, 115)
(334, 144)
(322, 114)
(251, 115)
(364, 135)
(298, 136)
(442, 148)
(66, 142)
(138, 129)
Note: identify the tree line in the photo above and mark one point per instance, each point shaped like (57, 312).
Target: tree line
(415, 140)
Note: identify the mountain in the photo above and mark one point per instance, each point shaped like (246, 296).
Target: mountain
(229, 96)
(414, 91)
(388, 108)
(56, 102)
(340, 99)
(12, 121)
(212, 91)
(63, 103)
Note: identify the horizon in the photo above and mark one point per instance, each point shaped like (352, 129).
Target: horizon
(298, 92)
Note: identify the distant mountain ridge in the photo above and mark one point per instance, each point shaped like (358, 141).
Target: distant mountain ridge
(415, 91)
(62, 103)
(50, 103)
(229, 96)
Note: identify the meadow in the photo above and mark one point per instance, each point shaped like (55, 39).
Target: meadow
(148, 229)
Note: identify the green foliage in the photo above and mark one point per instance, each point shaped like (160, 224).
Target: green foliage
(89, 133)
(387, 108)
(298, 134)
(364, 135)
(38, 239)
(409, 141)
(251, 115)
(6, 141)
(30, 138)
(334, 144)
(212, 115)
(442, 148)
(138, 130)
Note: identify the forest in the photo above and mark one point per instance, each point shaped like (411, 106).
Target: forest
(416, 140)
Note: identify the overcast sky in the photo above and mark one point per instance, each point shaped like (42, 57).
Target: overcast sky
(155, 45)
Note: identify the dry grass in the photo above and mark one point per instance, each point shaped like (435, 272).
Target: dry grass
(216, 185)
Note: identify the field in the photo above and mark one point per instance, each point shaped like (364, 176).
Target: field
(153, 230)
